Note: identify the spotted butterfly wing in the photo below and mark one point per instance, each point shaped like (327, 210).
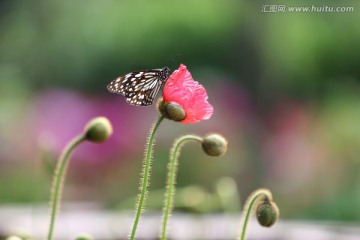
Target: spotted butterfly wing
(140, 87)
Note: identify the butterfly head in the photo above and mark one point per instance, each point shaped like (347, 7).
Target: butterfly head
(164, 74)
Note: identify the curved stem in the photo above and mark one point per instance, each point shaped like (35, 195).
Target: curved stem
(171, 179)
(58, 181)
(248, 208)
(146, 169)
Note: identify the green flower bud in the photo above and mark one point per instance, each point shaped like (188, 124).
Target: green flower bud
(214, 145)
(84, 236)
(175, 112)
(98, 130)
(19, 236)
(267, 213)
(171, 110)
(161, 106)
(14, 238)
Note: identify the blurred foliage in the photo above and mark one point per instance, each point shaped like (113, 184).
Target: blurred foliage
(285, 87)
(84, 43)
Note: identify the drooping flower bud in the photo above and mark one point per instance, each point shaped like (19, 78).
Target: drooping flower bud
(98, 130)
(267, 213)
(84, 236)
(214, 145)
(19, 236)
(13, 237)
(172, 111)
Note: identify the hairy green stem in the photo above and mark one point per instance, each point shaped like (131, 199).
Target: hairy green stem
(58, 181)
(171, 179)
(146, 169)
(248, 208)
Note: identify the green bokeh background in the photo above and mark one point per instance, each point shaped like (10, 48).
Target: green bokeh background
(301, 72)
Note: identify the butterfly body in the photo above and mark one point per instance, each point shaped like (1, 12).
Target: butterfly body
(140, 87)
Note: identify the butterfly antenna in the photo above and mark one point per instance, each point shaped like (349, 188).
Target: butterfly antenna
(177, 55)
(172, 60)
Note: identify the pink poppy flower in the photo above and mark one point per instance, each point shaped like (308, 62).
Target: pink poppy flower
(183, 90)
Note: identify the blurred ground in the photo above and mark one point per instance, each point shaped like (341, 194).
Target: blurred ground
(84, 218)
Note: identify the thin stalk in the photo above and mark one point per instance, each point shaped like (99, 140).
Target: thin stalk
(248, 208)
(146, 169)
(58, 181)
(171, 179)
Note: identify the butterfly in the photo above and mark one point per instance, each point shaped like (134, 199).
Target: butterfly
(140, 87)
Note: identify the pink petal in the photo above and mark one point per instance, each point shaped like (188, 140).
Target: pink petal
(182, 89)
